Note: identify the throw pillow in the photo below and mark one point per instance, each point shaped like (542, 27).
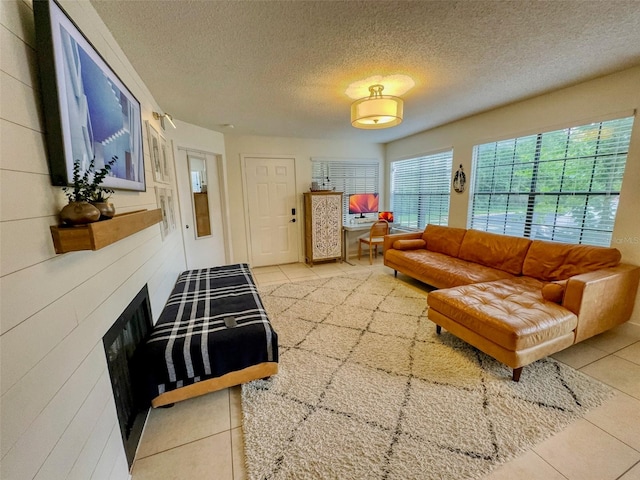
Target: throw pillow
(413, 244)
(554, 291)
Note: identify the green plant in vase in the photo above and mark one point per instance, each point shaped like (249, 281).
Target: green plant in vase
(99, 196)
(85, 192)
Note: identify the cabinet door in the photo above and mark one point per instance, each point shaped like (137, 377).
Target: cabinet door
(327, 225)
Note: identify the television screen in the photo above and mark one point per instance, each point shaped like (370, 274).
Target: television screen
(89, 112)
(363, 203)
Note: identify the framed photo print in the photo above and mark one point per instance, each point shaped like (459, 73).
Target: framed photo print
(89, 113)
(164, 160)
(161, 201)
(154, 152)
(171, 210)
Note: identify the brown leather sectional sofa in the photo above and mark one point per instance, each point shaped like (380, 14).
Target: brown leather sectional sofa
(515, 299)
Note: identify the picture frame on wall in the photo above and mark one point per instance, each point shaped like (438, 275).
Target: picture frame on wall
(171, 211)
(154, 152)
(165, 160)
(161, 202)
(88, 111)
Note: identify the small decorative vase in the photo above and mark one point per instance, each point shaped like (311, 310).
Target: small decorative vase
(79, 213)
(107, 210)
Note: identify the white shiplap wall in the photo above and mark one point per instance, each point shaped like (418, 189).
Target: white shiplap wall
(57, 413)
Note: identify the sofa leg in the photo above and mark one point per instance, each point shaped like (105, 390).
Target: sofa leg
(395, 273)
(516, 374)
(438, 329)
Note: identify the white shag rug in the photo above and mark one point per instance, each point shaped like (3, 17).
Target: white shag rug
(367, 390)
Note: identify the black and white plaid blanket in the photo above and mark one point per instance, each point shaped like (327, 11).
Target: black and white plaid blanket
(213, 323)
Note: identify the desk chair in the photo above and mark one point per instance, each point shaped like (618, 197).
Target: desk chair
(374, 238)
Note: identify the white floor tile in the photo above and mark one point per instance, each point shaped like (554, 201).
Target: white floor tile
(620, 417)
(235, 404)
(632, 474)
(528, 466)
(617, 338)
(185, 422)
(271, 277)
(617, 372)
(631, 353)
(263, 270)
(209, 458)
(579, 355)
(237, 452)
(585, 452)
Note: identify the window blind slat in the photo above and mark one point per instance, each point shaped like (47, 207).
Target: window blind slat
(561, 185)
(420, 190)
(347, 176)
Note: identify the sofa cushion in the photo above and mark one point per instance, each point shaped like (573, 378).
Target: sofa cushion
(508, 312)
(554, 291)
(497, 251)
(443, 239)
(440, 270)
(550, 261)
(409, 244)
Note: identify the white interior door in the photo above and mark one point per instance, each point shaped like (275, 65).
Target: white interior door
(198, 177)
(271, 203)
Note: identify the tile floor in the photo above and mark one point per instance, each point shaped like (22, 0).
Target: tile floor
(201, 438)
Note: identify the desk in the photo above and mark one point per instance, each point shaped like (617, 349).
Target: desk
(356, 227)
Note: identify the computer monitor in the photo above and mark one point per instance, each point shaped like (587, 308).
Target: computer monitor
(363, 203)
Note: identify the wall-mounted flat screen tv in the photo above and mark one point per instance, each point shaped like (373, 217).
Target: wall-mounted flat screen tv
(89, 113)
(363, 203)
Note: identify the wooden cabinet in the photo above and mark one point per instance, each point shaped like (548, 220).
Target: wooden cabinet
(322, 226)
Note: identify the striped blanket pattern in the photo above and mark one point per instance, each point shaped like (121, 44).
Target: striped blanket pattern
(214, 323)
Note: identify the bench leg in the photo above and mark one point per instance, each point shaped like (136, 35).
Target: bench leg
(516, 374)
(438, 329)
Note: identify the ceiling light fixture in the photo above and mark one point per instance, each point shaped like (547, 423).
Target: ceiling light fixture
(377, 110)
(159, 116)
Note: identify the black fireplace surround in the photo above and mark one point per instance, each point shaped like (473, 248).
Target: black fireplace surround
(121, 343)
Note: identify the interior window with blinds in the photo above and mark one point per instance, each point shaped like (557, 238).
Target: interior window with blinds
(347, 176)
(562, 185)
(420, 190)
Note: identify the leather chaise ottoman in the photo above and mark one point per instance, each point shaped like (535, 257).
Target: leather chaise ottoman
(506, 319)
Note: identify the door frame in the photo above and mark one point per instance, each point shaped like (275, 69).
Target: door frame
(245, 200)
(220, 162)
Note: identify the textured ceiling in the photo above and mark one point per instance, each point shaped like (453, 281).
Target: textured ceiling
(281, 68)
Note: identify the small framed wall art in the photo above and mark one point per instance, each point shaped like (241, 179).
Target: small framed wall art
(154, 152)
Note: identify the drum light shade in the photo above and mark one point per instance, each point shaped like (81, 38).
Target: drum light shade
(377, 110)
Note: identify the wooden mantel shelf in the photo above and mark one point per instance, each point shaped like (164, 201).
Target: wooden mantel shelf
(95, 236)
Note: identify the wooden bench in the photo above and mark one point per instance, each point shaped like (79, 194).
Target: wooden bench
(213, 333)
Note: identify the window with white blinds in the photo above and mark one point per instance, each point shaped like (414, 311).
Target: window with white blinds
(562, 185)
(420, 190)
(347, 176)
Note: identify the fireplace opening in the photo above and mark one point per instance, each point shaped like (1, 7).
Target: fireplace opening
(121, 345)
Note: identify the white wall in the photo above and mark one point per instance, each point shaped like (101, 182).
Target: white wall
(303, 150)
(603, 98)
(203, 140)
(58, 417)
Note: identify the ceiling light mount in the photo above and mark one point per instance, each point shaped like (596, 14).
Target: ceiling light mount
(377, 110)
(162, 116)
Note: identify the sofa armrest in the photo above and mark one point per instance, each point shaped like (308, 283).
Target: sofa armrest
(602, 299)
(389, 239)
